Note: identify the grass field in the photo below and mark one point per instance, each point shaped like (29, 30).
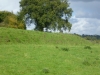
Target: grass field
(47, 55)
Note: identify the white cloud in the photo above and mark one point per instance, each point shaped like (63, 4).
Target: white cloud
(86, 26)
(87, 16)
(9, 5)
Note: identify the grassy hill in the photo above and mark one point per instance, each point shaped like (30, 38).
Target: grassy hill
(38, 53)
(16, 36)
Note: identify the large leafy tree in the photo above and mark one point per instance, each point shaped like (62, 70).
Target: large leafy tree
(49, 14)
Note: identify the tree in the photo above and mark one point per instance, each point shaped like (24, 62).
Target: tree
(8, 19)
(46, 13)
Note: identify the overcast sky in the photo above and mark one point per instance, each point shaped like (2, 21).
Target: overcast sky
(85, 18)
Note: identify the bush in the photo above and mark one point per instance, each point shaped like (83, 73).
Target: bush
(8, 19)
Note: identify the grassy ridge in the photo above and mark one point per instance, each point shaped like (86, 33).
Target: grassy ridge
(10, 36)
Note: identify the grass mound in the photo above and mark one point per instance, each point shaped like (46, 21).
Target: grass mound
(16, 36)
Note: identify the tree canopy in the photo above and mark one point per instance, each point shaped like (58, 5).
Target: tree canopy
(49, 14)
(8, 19)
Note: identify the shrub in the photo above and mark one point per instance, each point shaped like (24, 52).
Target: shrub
(8, 19)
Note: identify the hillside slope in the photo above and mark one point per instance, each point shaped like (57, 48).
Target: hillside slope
(41, 53)
(16, 36)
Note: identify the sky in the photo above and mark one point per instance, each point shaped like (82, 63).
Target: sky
(85, 18)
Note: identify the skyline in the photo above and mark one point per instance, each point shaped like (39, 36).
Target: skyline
(85, 18)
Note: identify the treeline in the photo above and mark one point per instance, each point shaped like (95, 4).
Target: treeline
(91, 37)
(8, 19)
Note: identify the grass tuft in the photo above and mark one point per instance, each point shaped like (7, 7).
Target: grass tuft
(87, 47)
(85, 62)
(65, 49)
(46, 70)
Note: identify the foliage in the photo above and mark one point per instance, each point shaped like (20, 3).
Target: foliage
(8, 19)
(46, 13)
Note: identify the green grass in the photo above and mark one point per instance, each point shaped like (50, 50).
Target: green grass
(35, 59)
(16, 36)
(39, 53)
